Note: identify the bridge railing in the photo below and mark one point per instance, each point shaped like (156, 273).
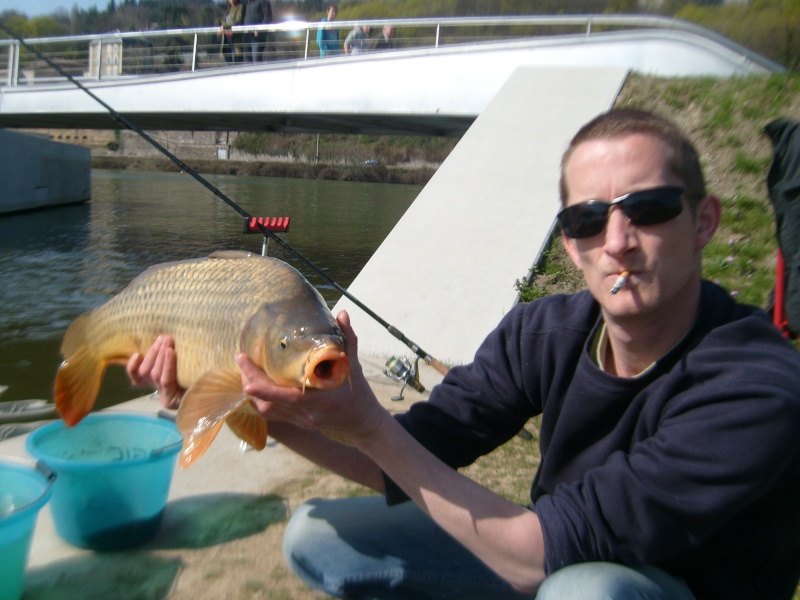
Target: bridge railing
(143, 53)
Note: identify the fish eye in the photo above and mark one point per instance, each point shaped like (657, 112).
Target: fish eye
(284, 342)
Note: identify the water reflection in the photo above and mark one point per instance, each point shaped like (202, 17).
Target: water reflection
(56, 264)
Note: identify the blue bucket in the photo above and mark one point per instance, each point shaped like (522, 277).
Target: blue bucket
(25, 488)
(114, 474)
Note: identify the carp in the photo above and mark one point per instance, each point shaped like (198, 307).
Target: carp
(214, 308)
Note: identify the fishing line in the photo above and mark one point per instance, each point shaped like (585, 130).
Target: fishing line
(127, 124)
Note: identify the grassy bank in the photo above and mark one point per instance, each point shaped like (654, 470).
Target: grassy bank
(375, 174)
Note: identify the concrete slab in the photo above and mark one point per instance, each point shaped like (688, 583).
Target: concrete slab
(40, 173)
(445, 274)
(223, 510)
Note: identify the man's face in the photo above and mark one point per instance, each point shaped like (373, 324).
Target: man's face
(663, 259)
(331, 14)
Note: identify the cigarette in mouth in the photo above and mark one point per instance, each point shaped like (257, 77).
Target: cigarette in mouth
(620, 282)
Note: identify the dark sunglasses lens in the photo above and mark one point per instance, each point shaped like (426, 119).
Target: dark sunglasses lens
(583, 220)
(651, 207)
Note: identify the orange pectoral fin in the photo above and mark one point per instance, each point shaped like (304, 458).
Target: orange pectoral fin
(249, 426)
(77, 383)
(207, 404)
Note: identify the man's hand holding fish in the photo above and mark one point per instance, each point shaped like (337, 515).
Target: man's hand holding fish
(158, 369)
(347, 413)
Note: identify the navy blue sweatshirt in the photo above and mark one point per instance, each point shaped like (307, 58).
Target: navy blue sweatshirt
(693, 467)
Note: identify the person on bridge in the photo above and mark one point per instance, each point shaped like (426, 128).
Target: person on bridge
(357, 40)
(384, 40)
(256, 12)
(670, 420)
(232, 42)
(328, 37)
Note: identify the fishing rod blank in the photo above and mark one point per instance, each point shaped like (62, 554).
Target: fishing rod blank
(128, 124)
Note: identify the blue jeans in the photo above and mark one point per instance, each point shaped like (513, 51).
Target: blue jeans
(360, 548)
(253, 47)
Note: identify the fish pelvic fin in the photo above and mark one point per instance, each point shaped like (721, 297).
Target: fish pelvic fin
(249, 426)
(207, 404)
(77, 384)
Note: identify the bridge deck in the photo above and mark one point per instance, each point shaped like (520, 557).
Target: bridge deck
(436, 90)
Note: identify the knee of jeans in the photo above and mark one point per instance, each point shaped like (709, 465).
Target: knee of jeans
(298, 530)
(611, 581)
(587, 581)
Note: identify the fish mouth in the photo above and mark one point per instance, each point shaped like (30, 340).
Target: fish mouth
(326, 368)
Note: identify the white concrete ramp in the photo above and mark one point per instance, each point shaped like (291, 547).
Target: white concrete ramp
(445, 274)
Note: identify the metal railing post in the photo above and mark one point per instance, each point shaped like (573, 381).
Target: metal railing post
(308, 35)
(99, 58)
(438, 29)
(194, 53)
(13, 63)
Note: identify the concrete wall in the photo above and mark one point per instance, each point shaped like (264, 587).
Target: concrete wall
(38, 173)
(445, 274)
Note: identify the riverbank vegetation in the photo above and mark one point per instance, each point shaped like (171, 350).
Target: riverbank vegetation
(379, 173)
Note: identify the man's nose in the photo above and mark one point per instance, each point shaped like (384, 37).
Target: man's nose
(620, 232)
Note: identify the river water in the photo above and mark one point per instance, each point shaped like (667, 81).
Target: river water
(58, 263)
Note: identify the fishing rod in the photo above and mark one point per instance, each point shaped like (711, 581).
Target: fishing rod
(127, 124)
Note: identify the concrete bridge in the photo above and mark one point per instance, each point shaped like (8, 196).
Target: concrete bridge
(441, 75)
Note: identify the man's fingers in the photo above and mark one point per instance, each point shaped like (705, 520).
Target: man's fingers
(132, 368)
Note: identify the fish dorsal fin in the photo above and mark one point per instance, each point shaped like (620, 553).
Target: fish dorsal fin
(249, 426)
(230, 254)
(77, 383)
(205, 407)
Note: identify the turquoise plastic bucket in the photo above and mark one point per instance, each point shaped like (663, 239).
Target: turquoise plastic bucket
(25, 488)
(114, 474)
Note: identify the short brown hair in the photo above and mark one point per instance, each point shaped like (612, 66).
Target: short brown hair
(682, 158)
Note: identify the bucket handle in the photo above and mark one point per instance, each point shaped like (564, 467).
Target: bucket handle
(162, 414)
(166, 449)
(49, 474)
(46, 471)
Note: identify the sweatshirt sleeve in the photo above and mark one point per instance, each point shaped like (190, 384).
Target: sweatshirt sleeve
(482, 405)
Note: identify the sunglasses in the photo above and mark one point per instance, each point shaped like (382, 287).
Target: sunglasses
(645, 207)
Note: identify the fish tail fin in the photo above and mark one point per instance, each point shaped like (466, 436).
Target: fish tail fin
(77, 384)
(207, 404)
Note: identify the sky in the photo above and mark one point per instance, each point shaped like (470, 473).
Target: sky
(35, 8)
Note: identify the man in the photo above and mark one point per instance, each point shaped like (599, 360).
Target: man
(670, 463)
(357, 40)
(384, 40)
(256, 12)
(328, 37)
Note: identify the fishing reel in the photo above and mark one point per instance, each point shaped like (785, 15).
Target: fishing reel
(400, 369)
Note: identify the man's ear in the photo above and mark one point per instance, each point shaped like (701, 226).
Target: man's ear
(708, 216)
(572, 251)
